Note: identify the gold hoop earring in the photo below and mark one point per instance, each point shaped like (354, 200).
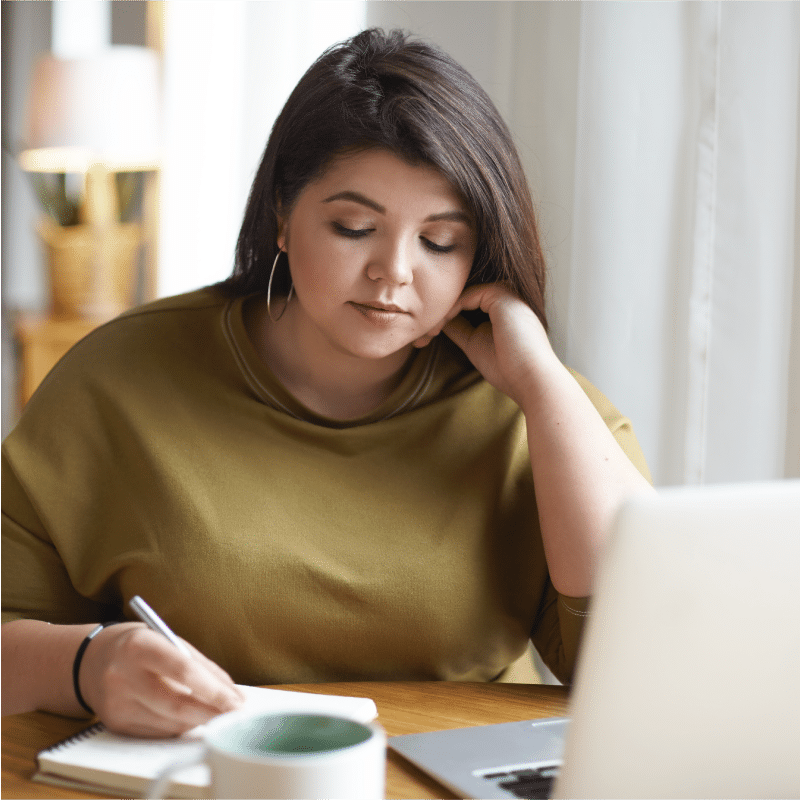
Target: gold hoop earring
(269, 291)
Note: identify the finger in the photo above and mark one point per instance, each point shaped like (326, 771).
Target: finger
(486, 296)
(174, 710)
(142, 719)
(174, 686)
(216, 669)
(477, 344)
(235, 695)
(479, 297)
(143, 703)
(207, 683)
(168, 709)
(460, 331)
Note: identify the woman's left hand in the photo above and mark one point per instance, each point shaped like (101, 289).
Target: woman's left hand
(511, 349)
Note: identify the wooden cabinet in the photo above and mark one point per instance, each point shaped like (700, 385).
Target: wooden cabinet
(41, 342)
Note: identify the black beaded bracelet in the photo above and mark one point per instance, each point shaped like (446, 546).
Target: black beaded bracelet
(76, 664)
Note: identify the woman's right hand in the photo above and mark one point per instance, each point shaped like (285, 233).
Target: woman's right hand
(140, 684)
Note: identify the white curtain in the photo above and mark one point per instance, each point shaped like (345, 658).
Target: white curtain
(661, 143)
(229, 66)
(683, 241)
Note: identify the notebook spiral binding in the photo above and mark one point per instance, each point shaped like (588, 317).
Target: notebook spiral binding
(86, 733)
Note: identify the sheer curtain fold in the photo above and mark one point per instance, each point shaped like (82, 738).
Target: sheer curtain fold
(754, 250)
(682, 256)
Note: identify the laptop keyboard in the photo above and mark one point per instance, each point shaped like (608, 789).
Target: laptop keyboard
(526, 783)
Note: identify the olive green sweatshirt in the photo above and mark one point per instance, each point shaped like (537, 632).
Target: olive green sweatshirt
(162, 458)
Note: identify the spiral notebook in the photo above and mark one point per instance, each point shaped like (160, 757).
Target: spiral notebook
(98, 760)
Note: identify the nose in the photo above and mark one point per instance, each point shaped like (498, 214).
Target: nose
(392, 264)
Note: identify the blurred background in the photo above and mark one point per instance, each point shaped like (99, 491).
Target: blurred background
(660, 142)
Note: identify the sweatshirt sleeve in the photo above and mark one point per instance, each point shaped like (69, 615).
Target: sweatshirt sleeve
(558, 629)
(35, 581)
(557, 632)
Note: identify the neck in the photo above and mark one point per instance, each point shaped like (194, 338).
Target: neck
(326, 380)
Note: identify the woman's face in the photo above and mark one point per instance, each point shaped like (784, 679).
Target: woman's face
(379, 252)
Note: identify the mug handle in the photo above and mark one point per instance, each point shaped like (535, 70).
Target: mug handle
(161, 782)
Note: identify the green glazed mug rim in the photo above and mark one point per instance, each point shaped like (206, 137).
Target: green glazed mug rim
(290, 735)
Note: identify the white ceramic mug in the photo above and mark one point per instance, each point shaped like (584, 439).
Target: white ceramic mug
(290, 755)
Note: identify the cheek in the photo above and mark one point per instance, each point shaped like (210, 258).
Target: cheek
(314, 267)
(440, 293)
(448, 283)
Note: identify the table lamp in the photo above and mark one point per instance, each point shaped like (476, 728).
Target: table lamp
(93, 122)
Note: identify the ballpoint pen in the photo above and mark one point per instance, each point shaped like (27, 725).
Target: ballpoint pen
(154, 622)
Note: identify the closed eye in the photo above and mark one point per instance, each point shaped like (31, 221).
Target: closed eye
(358, 233)
(351, 233)
(437, 248)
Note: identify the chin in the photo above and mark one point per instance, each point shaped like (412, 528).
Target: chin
(376, 349)
(378, 354)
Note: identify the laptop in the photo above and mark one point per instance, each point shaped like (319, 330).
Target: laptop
(688, 681)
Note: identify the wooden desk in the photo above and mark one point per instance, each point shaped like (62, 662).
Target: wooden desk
(402, 708)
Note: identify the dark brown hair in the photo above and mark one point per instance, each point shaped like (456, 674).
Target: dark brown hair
(390, 91)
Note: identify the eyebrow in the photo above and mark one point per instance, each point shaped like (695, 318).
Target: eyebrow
(357, 197)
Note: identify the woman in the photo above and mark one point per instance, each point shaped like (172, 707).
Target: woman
(358, 458)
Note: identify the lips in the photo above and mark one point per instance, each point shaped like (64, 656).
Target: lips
(378, 306)
(378, 313)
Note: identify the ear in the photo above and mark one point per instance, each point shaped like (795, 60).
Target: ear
(282, 230)
(282, 224)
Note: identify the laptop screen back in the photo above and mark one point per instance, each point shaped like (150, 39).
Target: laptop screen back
(688, 683)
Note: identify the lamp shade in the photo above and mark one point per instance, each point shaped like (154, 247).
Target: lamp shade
(103, 109)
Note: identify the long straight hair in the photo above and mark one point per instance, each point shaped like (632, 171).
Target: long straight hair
(379, 90)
